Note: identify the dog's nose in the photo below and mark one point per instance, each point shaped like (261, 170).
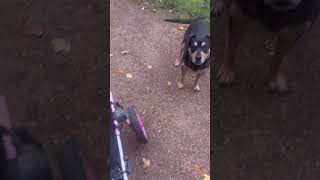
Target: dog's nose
(198, 58)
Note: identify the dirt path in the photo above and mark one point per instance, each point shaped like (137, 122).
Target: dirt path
(259, 136)
(177, 121)
(56, 95)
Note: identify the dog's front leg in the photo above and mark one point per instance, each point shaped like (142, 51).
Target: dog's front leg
(196, 86)
(182, 75)
(235, 31)
(285, 41)
(179, 60)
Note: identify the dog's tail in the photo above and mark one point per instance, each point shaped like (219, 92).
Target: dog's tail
(181, 21)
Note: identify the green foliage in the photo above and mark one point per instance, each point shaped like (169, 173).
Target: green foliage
(184, 8)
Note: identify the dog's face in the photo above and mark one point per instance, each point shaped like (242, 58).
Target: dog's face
(199, 49)
(282, 5)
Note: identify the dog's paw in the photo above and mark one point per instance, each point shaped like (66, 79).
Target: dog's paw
(177, 63)
(180, 85)
(196, 88)
(278, 85)
(225, 75)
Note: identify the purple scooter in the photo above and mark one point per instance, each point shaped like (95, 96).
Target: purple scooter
(119, 165)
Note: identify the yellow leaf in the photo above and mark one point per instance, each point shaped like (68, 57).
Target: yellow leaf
(142, 8)
(206, 177)
(129, 76)
(180, 27)
(60, 44)
(146, 163)
(111, 55)
(169, 83)
(149, 66)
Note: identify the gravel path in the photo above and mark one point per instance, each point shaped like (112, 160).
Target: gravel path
(177, 121)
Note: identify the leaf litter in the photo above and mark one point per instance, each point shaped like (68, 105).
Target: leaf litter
(60, 44)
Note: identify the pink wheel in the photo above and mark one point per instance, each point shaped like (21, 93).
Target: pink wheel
(137, 125)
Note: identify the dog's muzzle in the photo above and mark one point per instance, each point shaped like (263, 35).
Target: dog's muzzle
(198, 59)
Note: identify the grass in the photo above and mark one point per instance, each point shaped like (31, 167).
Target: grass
(183, 8)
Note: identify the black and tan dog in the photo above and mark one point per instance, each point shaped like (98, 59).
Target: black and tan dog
(195, 49)
(286, 20)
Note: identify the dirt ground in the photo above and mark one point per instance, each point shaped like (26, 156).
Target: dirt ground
(56, 95)
(177, 120)
(258, 136)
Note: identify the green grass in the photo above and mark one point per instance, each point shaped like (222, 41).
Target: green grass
(183, 8)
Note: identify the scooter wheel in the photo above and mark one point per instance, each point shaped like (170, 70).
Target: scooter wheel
(137, 125)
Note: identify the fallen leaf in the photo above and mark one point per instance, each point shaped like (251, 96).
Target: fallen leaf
(124, 52)
(169, 83)
(60, 44)
(146, 163)
(149, 66)
(154, 10)
(129, 76)
(142, 8)
(170, 10)
(198, 169)
(111, 55)
(181, 27)
(206, 177)
(120, 71)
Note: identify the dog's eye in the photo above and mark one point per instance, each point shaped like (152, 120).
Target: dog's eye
(203, 44)
(195, 44)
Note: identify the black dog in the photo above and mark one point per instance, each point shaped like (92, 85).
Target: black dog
(286, 20)
(195, 49)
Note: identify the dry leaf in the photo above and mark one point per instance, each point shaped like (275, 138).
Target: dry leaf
(206, 177)
(142, 8)
(149, 66)
(169, 83)
(60, 44)
(170, 10)
(181, 27)
(120, 71)
(129, 76)
(146, 163)
(111, 55)
(154, 10)
(198, 169)
(124, 52)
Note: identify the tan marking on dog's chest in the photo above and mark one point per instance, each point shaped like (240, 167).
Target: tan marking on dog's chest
(195, 73)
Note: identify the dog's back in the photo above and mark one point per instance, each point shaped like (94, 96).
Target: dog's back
(271, 18)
